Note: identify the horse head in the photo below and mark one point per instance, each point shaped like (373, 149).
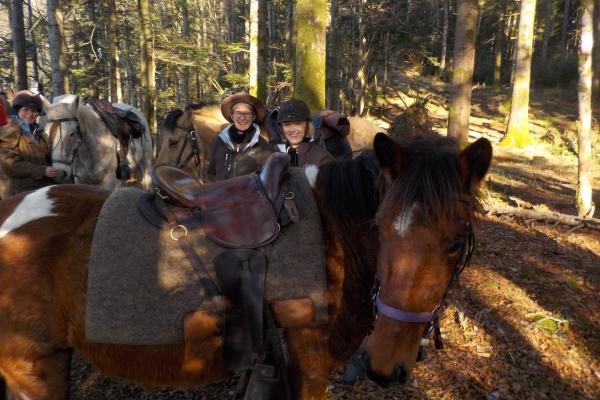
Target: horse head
(62, 130)
(425, 240)
(180, 143)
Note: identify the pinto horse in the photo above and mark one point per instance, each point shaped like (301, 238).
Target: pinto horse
(86, 149)
(396, 219)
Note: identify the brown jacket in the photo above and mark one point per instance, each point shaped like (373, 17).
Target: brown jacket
(309, 154)
(23, 160)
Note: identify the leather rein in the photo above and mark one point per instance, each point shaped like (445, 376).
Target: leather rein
(433, 317)
(192, 136)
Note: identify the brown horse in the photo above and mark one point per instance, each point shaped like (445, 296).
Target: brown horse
(397, 219)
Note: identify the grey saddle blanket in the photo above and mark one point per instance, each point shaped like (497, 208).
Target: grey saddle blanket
(141, 285)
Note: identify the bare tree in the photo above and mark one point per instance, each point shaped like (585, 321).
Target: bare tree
(444, 46)
(56, 42)
(310, 18)
(19, 44)
(517, 133)
(584, 89)
(499, 43)
(462, 71)
(563, 34)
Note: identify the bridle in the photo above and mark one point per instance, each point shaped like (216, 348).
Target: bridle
(191, 136)
(54, 128)
(433, 317)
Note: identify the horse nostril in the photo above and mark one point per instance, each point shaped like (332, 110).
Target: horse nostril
(399, 375)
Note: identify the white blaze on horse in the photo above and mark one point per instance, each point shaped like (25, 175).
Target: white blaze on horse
(397, 223)
(87, 150)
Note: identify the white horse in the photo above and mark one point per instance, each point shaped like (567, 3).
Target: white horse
(84, 147)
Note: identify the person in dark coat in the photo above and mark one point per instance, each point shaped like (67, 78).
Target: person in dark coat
(239, 149)
(298, 132)
(24, 151)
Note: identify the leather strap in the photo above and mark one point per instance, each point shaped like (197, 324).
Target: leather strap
(210, 287)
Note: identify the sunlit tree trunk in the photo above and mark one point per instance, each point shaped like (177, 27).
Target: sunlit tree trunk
(333, 57)
(185, 32)
(361, 79)
(113, 54)
(462, 71)
(258, 49)
(584, 89)
(19, 45)
(147, 66)
(596, 53)
(444, 46)
(56, 44)
(310, 19)
(517, 133)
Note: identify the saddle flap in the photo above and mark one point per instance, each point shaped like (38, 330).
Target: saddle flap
(273, 174)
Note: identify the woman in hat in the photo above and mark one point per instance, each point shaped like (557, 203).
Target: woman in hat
(24, 152)
(239, 149)
(294, 117)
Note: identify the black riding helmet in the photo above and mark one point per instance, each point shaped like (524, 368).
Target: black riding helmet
(293, 110)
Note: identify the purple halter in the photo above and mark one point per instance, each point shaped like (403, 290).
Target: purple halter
(401, 315)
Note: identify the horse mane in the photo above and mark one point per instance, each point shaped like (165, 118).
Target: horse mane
(429, 177)
(170, 121)
(199, 105)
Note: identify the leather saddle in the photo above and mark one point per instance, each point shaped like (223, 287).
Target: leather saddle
(238, 213)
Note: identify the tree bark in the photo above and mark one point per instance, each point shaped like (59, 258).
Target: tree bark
(517, 133)
(34, 49)
(116, 94)
(584, 89)
(444, 45)
(462, 72)
(56, 42)
(310, 19)
(596, 53)
(333, 57)
(19, 45)
(147, 66)
(563, 33)
(499, 45)
(258, 50)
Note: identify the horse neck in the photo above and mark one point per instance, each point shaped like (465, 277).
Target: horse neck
(352, 255)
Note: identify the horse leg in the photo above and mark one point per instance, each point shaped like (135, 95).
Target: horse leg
(38, 376)
(310, 362)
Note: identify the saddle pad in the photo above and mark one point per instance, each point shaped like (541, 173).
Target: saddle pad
(141, 285)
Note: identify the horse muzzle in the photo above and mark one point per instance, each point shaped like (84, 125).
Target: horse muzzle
(362, 362)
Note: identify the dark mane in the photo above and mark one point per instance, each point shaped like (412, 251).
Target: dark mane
(199, 105)
(352, 192)
(171, 119)
(429, 177)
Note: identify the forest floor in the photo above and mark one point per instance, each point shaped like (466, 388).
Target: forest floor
(524, 321)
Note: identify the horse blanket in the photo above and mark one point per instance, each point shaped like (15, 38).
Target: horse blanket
(141, 285)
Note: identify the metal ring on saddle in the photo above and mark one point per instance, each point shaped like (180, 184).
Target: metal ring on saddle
(184, 232)
(290, 196)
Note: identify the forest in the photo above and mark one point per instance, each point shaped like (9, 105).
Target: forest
(524, 322)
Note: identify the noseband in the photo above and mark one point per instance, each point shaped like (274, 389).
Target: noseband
(431, 318)
(192, 136)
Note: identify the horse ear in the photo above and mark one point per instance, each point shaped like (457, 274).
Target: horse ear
(474, 161)
(388, 153)
(76, 103)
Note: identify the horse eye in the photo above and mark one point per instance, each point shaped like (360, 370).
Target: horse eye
(456, 246)
(72, 134)
(173, 142)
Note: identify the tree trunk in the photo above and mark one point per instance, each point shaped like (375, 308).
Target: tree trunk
(517, 133)
(56, 43)
(333, 57)
(584, 89)
(310, 18)
(462, 71)
(444, 45)
(34, 50)
(258, 50)
(596, 53)
(499, 45)
(147, 66)
(19, 45)
(113, 54)
(185, 32)
(563, 33)
(548, 25)
(361, 80)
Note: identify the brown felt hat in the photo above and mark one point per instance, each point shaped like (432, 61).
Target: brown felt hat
(26, 98)
(293, 111)
(229, 102)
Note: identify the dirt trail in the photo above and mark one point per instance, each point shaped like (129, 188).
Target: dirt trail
(524, 322)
